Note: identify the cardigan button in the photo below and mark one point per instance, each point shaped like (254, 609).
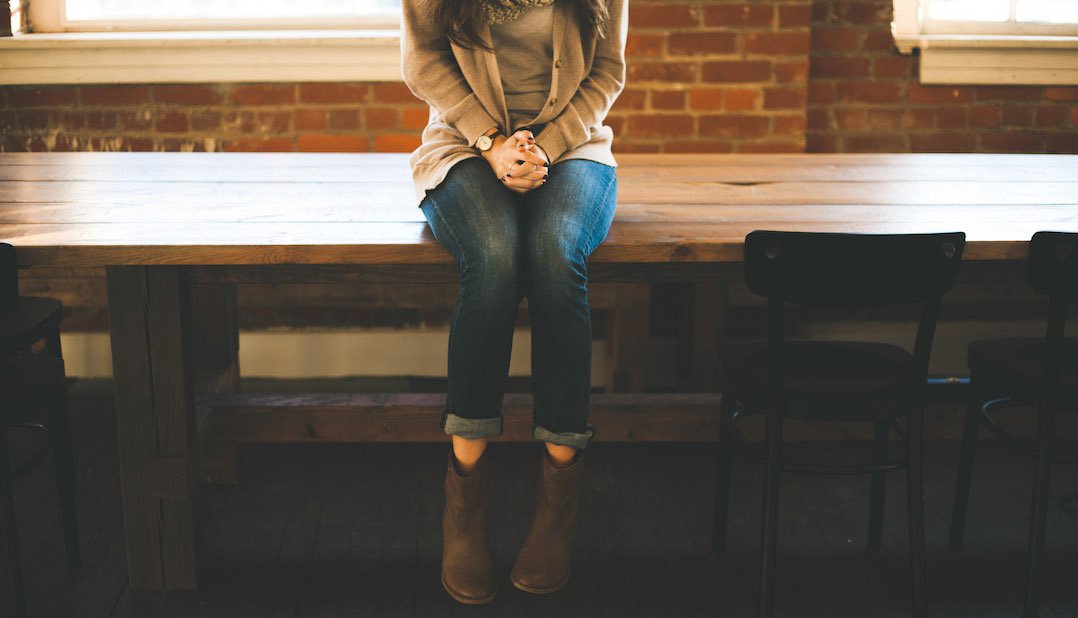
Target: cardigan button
(557, 63)
(553, 100)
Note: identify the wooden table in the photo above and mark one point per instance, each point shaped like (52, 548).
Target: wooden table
(175, 230)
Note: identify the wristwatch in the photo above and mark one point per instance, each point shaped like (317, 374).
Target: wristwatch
(485, 142)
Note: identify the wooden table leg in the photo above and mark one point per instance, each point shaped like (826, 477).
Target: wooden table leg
(628, 338)
(151, 360)
(215, 328)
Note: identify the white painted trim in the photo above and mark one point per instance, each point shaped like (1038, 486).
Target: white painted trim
(201, 56)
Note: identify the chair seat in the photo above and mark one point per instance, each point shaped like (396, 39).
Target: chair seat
(1016, 363)
(26, 382)
(28, 320)
(830, 378)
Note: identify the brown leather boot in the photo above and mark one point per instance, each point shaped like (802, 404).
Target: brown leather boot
(542, 566)
(467, 569)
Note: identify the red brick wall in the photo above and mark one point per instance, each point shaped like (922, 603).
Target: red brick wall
(704, 76)
(865, 97)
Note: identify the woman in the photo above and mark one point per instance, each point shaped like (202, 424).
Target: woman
(516, 178)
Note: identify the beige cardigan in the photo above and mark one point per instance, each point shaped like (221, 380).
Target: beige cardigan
(464, 91)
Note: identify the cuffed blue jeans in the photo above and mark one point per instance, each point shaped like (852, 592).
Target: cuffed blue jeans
(507, 246)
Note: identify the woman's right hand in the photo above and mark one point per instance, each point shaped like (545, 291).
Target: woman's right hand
(516, 162)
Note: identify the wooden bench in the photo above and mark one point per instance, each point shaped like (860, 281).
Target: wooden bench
(176, 233)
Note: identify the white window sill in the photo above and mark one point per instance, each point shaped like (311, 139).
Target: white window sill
(201, 56)
(987, 59)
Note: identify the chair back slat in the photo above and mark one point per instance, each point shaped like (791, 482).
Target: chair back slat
(9, 276)
(856, 270)
(1053, 263)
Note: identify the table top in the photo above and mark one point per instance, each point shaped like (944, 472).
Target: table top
(94, 209)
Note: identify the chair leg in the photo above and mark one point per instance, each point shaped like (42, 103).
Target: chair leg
(65, 476)
(1038, 522)
(879, 487)
(722, 478)
(12, 599)
(771, 514)
(916, 510)
(965, 469)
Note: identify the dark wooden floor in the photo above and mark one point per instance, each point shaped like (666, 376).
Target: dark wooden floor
(345, 530)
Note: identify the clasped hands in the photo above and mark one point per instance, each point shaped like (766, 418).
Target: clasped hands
(518, 161)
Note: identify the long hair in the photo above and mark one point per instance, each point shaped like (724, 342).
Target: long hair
(461, 19)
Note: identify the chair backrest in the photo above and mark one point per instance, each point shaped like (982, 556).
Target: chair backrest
(858, 270)
(9, 276)
(1053, 263)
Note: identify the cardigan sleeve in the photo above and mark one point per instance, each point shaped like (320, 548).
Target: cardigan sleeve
(431, 72)
(597, 92)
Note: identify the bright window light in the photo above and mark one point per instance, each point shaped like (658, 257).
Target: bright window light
(93, 10)
(1048, 11)
(971, 10)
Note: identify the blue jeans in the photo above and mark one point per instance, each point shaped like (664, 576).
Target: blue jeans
(509, 245)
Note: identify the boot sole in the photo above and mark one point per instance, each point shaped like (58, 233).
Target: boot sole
(467, 600)
(532, 590)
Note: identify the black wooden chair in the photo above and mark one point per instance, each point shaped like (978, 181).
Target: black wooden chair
(835, 381)
(1041, 372)
(30, 382)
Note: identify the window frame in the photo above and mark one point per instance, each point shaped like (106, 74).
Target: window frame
(957, 52)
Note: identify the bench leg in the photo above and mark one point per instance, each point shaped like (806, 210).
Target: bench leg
(12, 598)
(149, 322)
(215, 323)
(628, 338)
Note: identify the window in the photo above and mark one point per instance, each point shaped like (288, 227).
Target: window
(991, 41)
(169, 41)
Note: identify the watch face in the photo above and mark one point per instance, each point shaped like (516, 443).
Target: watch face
(484, 142)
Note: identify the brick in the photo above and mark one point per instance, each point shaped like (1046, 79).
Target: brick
(732, 125)
(1049, 116)
(942, 142)
(171, 121)
(663, 15)
(835, 39)
(891, 67)
(1017, 142)
(850, 119)
(644, 45)
(274, 122)
(951, 118)
(818, 118)
(884, 119)
(825, 67)
(239, 122)
(393, 92)
(698, 146)
(1074, 117)
(776, 43)
(1008, 93)
(693, 43)
(188, 94)
(1016, 114)
(634, 146)
(310, 119)
(181, 144)
(631, 98)
(616, 124)
(35, 118)
(868, 13)
(787, 146)
(869, 92)
(739, 15)
(396, 143)
(378, 118)
(263, 94)
(332, 92)
(1058, 93)
(660, 125)
(788, 125)
(662, 71)
(879, 40)
(874, 143)
(741, 99)
(706, 98)
(795, 71)
(939, 94)
(344, 119)
(264, 144)
(984, 115)
(101, 120)
(333, 143)
(737, 71)
(1062, 143)
(821, 93)
(114, 95)
(919, 118)
(135, 120)
(414, 117)
(795, 16)
(668, 99)
(784, 98)
(205, 120)
(819, 142)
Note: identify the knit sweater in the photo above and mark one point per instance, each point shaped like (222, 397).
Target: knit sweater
(464, 91)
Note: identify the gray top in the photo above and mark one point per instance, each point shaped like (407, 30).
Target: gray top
(525, 51)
